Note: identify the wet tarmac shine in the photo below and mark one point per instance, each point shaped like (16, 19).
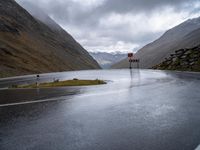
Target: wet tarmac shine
(138, 109)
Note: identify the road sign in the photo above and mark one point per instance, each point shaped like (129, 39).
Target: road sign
(130, 55)
(132, 60)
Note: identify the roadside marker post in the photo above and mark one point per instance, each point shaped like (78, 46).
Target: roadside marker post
(37, 80)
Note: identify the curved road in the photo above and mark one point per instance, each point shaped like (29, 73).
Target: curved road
(136, 110)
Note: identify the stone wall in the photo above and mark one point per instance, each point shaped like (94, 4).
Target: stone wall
(182, 59)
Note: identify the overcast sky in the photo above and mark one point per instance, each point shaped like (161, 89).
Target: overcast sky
(117, 25)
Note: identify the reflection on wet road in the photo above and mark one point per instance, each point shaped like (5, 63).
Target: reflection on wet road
(138, 109)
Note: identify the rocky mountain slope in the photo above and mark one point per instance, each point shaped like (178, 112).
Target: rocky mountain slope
(27, 45)
(107, 59)
(185, 35)
(182, 59)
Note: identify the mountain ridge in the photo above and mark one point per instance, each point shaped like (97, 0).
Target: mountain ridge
(107, 59)
(187, 59)
(29, 46)
(154, 53)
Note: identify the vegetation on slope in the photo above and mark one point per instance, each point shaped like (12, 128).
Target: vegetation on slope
(29, 46)
(183, 60)
(57, 83)
(184, 35)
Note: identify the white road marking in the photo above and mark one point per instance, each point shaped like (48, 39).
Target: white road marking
(4, 88)
(29, 102)
(198, 148)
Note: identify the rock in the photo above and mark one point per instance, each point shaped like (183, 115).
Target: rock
(192, 63)
(182, 60)
(187, 52)
(183, 56)
(174, 59)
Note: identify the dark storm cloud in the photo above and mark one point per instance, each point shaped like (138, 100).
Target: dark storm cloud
(116, 21)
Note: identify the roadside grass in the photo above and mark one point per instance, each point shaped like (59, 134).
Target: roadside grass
(74, 82)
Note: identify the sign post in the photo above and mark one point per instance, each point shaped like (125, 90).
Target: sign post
(130, 56)
(132, 60)
(37, 80)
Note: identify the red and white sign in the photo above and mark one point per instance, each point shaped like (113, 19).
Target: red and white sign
(132, 60)
(130, 55)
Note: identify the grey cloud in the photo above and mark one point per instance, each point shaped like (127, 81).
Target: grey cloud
(67, 11)
(71, 14)
(124, 6)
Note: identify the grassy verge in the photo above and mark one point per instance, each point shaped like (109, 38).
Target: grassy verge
(74, 82)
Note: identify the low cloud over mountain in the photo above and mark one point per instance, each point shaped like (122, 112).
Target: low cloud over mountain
(117, 25)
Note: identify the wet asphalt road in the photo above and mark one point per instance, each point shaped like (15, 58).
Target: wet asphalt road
(136, 110)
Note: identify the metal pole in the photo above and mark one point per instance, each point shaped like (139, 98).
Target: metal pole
(130, 67)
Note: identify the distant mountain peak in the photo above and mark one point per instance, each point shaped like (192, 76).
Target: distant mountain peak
(107, 59)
